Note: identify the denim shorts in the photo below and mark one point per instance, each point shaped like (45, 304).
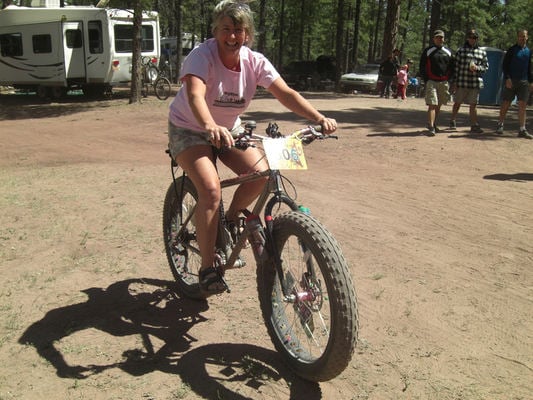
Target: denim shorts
(520, 89)
(180, 139)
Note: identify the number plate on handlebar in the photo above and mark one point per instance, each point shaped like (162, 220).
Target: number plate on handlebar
(285, 153)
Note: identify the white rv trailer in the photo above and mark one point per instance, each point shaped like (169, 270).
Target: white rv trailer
(53, 49)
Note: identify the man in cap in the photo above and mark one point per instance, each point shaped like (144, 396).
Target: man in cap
(436, 68)
(469, 65)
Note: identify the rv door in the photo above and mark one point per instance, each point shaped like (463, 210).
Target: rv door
(74, 52)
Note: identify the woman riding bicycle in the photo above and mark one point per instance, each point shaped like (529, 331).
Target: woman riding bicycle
(219, 79)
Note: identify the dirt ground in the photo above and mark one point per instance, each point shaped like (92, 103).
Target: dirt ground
(438, 233)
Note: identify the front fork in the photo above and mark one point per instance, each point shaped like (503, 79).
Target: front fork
(271, 247)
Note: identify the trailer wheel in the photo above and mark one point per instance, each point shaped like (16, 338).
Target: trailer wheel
(58, 92)
(42, 92)
(93, 91)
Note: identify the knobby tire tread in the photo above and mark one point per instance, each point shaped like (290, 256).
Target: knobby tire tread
(342, 296)
(171, 206)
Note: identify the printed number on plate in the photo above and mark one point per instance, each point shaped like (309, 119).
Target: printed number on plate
(285, 153)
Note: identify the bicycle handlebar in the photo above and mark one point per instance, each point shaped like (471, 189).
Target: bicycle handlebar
(306, 135)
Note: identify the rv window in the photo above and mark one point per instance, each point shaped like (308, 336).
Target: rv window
(124, 38)
(42, 44)
(11, 45)
(73, 37)
(148, 38)
(96, 44)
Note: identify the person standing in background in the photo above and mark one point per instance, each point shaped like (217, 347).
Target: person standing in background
(387, 72)
(436, 68)
(470, 64)
(518, 78)
(401, 82)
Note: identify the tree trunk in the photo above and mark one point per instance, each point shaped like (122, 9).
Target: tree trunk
(406, 22)
(339, 51)
(390, 33)
(179, 43)
(303, 19)
(357, 19)
(435, 19)
(281, 31)
(135, 93)
(261, 43)
(374, 46)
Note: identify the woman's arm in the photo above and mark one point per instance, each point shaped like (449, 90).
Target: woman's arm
(196, 90)
(295, 102)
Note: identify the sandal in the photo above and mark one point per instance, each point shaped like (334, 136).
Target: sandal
(236, 231)
(211, 281)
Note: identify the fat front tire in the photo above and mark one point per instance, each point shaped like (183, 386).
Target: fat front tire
(179, 235)
(162, 88)
(314, 325)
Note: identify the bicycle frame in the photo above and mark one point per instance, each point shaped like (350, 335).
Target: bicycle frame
(272, 194)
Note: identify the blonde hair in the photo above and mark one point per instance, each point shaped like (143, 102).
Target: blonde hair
(240, 14)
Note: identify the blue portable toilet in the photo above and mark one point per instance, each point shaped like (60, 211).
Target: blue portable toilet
(493, 78)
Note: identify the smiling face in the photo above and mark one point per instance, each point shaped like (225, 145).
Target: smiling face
(472, 39)
(235, 17)
(230, 36)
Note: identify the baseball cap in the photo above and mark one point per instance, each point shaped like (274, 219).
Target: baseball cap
(438, 32)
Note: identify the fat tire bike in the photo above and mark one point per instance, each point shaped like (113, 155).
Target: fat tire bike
(306, 294)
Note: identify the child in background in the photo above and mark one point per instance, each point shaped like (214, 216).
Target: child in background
(402, 77)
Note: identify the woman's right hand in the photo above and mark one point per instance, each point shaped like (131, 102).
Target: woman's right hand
(219, 136)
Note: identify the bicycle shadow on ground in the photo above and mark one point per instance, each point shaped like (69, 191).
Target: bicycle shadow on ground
(145, 307)
(149, 308)
(215, 369)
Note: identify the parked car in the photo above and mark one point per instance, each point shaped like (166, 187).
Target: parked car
(309, 75)
(364, 79)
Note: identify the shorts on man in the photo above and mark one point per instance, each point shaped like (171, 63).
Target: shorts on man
(466, 96)
(437, 92)
(520, 89)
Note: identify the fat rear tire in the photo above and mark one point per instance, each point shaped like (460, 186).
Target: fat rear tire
(181, 247)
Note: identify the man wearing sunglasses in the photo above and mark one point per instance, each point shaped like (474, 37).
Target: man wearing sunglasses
(470, 64)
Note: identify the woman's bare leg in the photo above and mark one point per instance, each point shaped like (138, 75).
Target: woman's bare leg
(241, 163)
(197, 162)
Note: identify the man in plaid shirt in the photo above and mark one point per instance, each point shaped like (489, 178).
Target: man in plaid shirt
(470, 64)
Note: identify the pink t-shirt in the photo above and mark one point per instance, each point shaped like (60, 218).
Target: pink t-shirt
(228, 92)
(402, 77)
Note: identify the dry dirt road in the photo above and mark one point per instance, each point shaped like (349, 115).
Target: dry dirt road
(438, 233)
